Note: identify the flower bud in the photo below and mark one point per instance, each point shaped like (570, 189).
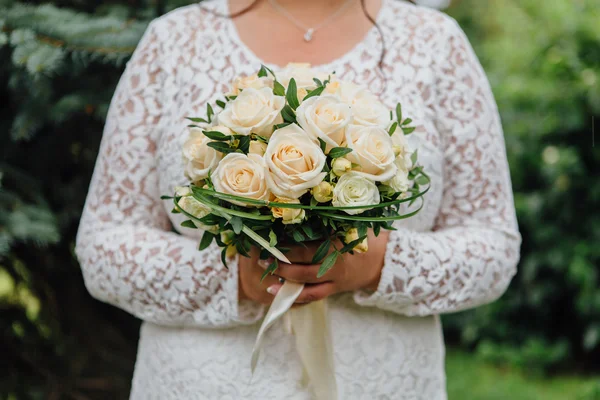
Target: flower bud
(257, 147)
(227, 237)
(231, 251)
(288, 215)
(352, 235)
(340, 166)
(323, 192)
(398, 150)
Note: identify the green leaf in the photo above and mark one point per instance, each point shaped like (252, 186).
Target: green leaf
(337, 152)
(322, 144)
(321, 252)
(236, 224)
(298, 236)
(349, 246)
(216, 135)
(399, 112)
(408, 131)
(220, 146)
(422, 180)
(328, 263)
(189, 224)
(376, 229)
(407, 121)
(224, 257)
(393, 128)
(313, 93)
(209, 112)
(318, 82)
(262, 72)
(278, 89)
(175, 211)
(221, 103)
(292, 94)
(244, 144)
(272, 239)
(270, 269)
(206, 240)
(201, 120)
(413, 157)
(308, 231)
(288, 114)
(231, 98)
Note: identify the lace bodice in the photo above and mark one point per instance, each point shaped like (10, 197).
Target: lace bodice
(461, 251)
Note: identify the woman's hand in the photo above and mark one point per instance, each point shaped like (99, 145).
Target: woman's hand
(250, 287)
(351, 272)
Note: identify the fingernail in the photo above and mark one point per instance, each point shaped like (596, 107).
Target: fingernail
(273, 289)
(265, 263)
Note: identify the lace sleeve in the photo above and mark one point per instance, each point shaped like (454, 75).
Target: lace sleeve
(472, 253)
(128, 254)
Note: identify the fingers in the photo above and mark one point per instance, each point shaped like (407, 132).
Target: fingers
(304, 273)
(302, 254)
(316, 292)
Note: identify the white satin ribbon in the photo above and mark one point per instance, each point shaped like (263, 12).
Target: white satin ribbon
(310, 327)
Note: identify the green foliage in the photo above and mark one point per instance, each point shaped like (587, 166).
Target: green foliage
(543, 61)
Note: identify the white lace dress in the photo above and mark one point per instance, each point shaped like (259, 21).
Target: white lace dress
(459, 252)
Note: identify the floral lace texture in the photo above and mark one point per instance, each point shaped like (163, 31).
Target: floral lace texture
(461, 251)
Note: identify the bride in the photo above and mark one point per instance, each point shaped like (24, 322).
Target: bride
(201, 319)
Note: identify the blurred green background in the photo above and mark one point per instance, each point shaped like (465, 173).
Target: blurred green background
(59, 64)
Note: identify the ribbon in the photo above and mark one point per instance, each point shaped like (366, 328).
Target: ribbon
(310, 326)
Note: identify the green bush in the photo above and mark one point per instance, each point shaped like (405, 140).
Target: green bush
(59, 65)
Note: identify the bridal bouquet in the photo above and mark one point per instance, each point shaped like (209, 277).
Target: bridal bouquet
(297, 156)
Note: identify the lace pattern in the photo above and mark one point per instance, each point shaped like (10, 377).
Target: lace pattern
(459, 252)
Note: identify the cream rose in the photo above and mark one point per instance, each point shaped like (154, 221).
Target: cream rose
(302, 73)
(257, 147)
(354, 189)
(294, 161)
(241, 175)
(253, 111)
(198, 158)
(192, 206)
(288, 215)
(325, 118)
(400, 182)
(253, 81)
(366, 108)
(372, 150)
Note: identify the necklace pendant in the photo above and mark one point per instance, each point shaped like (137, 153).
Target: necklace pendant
(309, 35)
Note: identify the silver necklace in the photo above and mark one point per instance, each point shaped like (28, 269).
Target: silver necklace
(309, 31)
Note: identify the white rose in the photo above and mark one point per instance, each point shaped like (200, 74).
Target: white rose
(257, 147)
(294, 161)
(325, 118)
(192, 206)
(401, 150)
(302, 73)
(253, 111)
(354, 189)
(366, 108)
(198, 158)
(372, 150)
(242, 175)
(253, 81)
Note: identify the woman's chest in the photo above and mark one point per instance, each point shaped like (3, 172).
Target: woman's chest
(192, 91)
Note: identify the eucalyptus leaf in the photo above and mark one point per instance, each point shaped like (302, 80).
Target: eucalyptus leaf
(321, 252)
(328, 263)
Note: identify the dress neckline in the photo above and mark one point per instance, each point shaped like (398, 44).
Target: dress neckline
(368, 43)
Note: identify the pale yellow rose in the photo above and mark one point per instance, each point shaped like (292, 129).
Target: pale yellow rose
(302, 73)
(253, 111)
(340, 166)
(198, 158)
(372, 150)
(400, 182)
(288, 215)
(323, 192)
(257, 147)
(192, 206)
(351, 236)
(354, 189)
(325, 118)
(253, 81)
(241, 175)
(367, 110)
(294, 161)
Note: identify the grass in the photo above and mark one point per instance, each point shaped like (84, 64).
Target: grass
(472, 379)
